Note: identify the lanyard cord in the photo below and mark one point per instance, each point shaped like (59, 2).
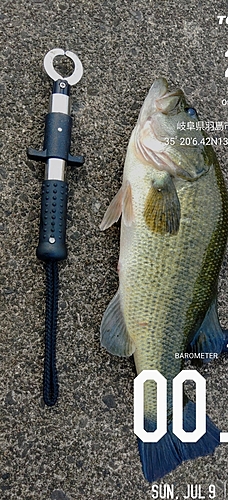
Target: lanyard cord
(50, 384)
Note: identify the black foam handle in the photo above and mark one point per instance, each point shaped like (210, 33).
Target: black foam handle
(52, 244)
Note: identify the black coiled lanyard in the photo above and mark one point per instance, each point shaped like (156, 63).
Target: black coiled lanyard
(52, 244)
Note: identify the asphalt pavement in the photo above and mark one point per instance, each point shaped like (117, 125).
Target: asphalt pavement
(84, 447)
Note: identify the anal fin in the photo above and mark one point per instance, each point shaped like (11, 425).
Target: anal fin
(114, 335)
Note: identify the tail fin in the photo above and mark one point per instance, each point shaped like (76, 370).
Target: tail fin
(158, 459)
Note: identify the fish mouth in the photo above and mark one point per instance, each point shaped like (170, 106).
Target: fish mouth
(169, 103)
(155, 123)
(148, 145)
(160, 99)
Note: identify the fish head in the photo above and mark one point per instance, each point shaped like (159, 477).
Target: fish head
(161, 139)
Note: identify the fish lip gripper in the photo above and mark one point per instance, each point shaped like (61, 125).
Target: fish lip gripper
(52, 235)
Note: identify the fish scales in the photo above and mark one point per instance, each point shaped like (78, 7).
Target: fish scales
(174, 229)
(158, 274)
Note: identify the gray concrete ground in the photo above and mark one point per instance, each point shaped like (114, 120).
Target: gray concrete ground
(84, 448)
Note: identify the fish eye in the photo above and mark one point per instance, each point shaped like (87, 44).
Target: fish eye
(191, 111)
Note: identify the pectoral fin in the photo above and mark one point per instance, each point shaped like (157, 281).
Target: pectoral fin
(121, 203)
(114, 335)
(162, 207)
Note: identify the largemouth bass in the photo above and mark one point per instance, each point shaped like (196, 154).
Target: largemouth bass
(174, 228)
